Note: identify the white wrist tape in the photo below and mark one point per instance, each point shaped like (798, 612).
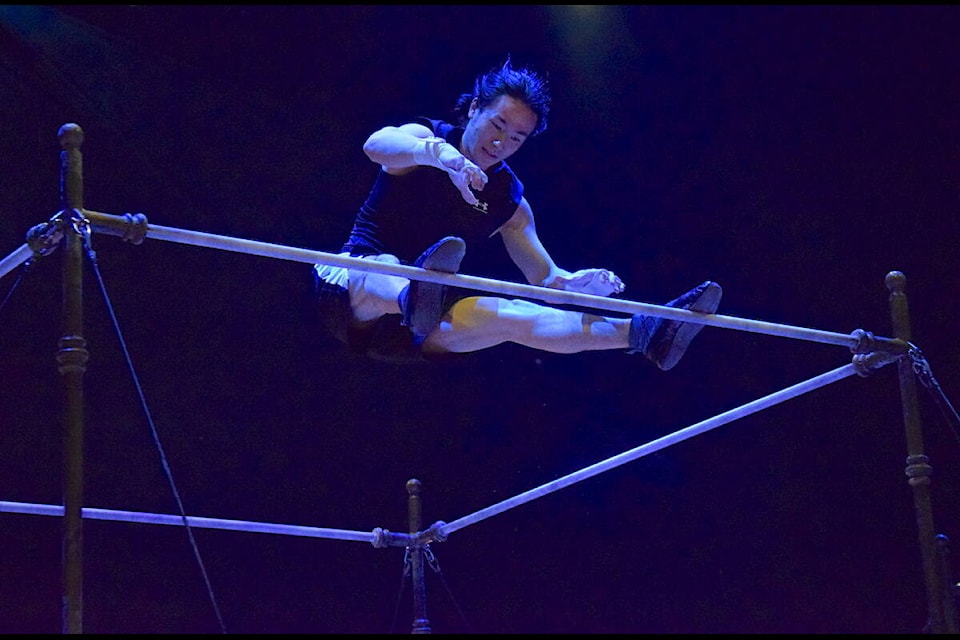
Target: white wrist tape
(429, 151)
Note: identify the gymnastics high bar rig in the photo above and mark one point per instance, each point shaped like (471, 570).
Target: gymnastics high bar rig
(71, 229)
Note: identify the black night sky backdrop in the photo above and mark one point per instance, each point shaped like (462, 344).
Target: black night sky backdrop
(795, 154)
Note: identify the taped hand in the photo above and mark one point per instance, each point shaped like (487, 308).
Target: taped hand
(596, 282)
(466, 176)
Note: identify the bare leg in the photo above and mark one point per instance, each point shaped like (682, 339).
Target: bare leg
(477, 323)
(374, 294)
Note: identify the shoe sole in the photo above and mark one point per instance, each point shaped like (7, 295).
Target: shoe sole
(427, 297)
(706, 302)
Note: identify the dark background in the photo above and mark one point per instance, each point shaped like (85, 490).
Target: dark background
(795, 154)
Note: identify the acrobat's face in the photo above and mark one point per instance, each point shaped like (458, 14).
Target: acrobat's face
(497, 131)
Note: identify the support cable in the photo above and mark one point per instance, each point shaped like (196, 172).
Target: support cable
(921, 367)
(84, 227)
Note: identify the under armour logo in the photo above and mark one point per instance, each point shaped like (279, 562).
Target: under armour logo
(481, 206)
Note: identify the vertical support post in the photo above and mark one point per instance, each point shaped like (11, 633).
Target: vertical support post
(918, 468)
(72, 358)
(949, 587)
(420, 622)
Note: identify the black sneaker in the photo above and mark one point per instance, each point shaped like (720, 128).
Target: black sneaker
(664, 341)
(421, 303)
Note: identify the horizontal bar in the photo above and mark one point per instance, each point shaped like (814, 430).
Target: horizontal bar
(194, 521)
(15, 259)
(383, 537)
(654, 446)
(120, 226)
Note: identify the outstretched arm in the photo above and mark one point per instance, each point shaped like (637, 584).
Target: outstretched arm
(526, 250)
(400, 149)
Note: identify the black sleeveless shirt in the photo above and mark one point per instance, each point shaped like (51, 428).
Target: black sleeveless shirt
(404, 215)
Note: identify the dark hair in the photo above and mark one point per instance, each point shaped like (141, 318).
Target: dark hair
(523, 84)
